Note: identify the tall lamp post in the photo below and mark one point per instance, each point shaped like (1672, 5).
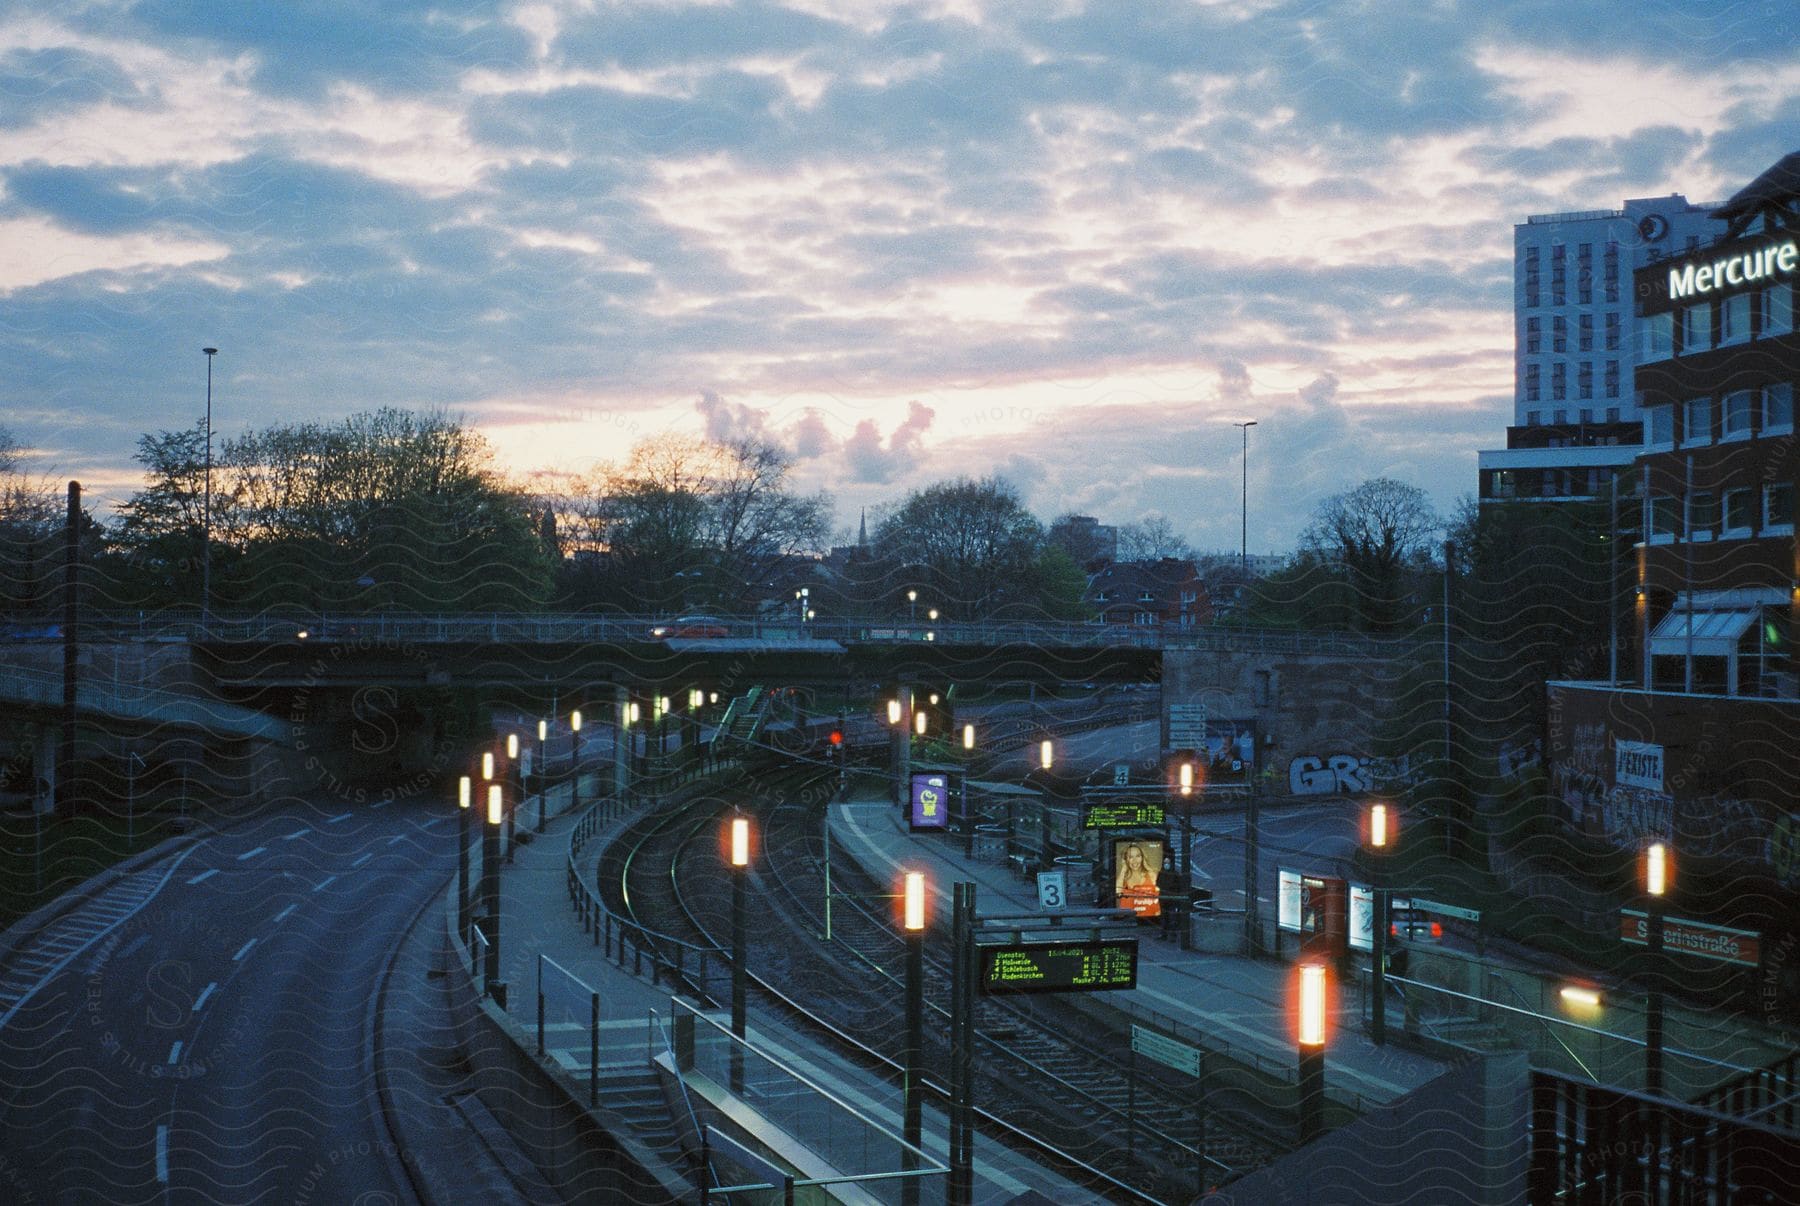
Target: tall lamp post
(490, 878)
(543, 733)
(1185, 784)
(1244, 499)
(912, 606)
(912, 1059)
(464, 798)
(740, 872)
(575, 760)
(1310, 1041)
(1657, 879)
(1381, 845)
(206, 513)
(512, 814)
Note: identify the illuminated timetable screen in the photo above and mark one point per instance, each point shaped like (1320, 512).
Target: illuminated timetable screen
(1121, 815)
(1060, 966)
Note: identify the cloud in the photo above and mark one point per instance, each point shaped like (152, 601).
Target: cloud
(873, 461)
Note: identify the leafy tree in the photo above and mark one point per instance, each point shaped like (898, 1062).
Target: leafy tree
(970, 543)
(1377, 533)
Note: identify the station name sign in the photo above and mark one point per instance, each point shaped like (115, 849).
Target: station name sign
(1694, 938)
(1122, 814)
(1744, 268)
(1092, 966)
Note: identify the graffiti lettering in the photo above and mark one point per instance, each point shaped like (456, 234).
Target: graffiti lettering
(1309, 775)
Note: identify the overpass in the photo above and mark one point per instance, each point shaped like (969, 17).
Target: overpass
(38, 693)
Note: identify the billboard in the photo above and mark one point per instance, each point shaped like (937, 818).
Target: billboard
(930, 800)
(1136, 864)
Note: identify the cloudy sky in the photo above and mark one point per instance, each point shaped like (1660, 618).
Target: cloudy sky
(1065, 242)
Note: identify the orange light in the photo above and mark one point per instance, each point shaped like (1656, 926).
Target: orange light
(1656, 869)
(1312, 1005)
(463, 791)
(740, 841)
(919, 722)
(543, 729)
(575, 720)
(512, 745)
(1378, 826)
(1187, 778)
(968, 736)
(487, 765)
(915, 901)
(1582, 998)
(494, 807)
(893, 711)
(1437, 929)
(1046, 752)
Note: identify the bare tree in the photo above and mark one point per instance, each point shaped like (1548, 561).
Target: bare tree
(1151, 539)
(1375, 532)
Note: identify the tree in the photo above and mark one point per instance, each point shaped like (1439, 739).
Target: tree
(31, 520)
(971, 544)
(1151, 539)
(1376, 533)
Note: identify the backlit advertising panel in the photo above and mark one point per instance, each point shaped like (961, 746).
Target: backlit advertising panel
(930, 800)
(1136, 864)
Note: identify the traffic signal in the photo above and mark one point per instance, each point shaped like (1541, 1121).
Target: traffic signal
(837, 738)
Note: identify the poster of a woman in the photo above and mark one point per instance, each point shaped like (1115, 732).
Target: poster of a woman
(1136, 863)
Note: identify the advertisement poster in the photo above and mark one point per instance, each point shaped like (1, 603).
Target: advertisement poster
(1136, 864)
(930, 801)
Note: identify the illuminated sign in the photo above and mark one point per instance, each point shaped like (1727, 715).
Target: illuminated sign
(1638, 764)
(930, 801)
(1123, 814)
(1060, 966)
(1745, 268)
(1694, 938)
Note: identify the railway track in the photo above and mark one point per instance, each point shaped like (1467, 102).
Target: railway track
(1050, 1075)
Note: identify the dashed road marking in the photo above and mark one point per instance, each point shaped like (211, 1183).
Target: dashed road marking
(162, 1154)
(175, 1051)
(381, 804)
(204, 993)
(243, 950)
(288, 837)
(282, 916)
(328, 880)
(204, 875)
(251, 853)
(342, 816)
(396, 839)
(365, 858)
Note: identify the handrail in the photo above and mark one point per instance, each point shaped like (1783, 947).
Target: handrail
(687, 1102)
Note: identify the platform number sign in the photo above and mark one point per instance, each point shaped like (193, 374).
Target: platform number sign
(1053, 890)
(1122, 774)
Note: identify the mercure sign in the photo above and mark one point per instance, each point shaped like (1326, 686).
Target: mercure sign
(1744, 268)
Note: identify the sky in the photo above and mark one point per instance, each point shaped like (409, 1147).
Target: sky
(1066, 243)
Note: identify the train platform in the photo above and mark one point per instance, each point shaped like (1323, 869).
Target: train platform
(1227, 1004)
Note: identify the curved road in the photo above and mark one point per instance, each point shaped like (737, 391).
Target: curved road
(214, 1044)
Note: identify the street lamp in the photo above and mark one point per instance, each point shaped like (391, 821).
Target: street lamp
(1184, 779)
(1244, 500)
(575, 760)
(919, 722)
(740, 871)
(932, 615)
(912, 1057)
(968, 737)
(543, 732)
(1310, 1041)
(512, 814)
(464, 797)
(206, 520)
(1046, 753)
(490, 878)
(893, 711)
(1381, 843)
(1658, 873)
(912, 609)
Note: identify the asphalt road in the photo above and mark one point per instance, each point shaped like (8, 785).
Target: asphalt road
(213, 1046)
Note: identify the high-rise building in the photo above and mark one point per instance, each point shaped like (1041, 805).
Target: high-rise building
(1576, 421)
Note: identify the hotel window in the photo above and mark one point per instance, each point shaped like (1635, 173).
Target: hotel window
(1587, 333)
(1612, 332)
(1740, 512)
(1612, 412)
(1734, 319)
(1778, 408)
(1584, 274)
(1532, 417)
(1696, 328)
(1584, 379)
(1665, 516)
(1559, 334)
(1531, 385)
(1778, 509)
(1534, 336)
(1778, 310)
(1735, 410)
(1660, 425)
(1656, 338)
(1559, 275)
(1559, 382)
(1696, 421)
(1531, 276)
(1612, 273)
(1562, 416)
(1612, 387)
(1703, 514)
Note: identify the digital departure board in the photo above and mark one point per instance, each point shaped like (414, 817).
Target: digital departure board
(1060, 966)
(1120, 814)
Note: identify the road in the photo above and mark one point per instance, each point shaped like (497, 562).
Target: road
(213, 1045)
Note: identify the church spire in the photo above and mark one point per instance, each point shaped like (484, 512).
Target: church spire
(862, 531)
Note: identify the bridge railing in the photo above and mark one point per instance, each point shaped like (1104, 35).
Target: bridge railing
(302, 627)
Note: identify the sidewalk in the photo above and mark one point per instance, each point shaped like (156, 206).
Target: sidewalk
(1229, 1004)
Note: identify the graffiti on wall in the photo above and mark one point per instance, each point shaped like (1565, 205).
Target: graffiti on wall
(1712, 825)
(1347, 774)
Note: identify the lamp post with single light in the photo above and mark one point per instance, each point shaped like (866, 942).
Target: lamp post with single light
(1046, 758)
(512, 814)
(968, 810)
(740, 872)
(1244, 499)
(543, 733)
(1310, 987)
(912, 1058)
(1184, 777)
(1381, 846)
(206, 519)
(1658, 876)
(575, 760)
(464, 798)
(490, 877)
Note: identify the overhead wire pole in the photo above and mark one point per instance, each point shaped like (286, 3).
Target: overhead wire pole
(1244, 499)
(206, 513)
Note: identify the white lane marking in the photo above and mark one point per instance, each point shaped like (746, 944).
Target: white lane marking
(243, 950)
(365, 858)
(342, 816)
(251, 853)
(162, 1154)
(175, 1051)
(134, 946)
(204, 875)
(282, 916)
(288, 837)
(329, 879)
(429, 824)
(381, 804)
(204, 993)
(397, 838)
